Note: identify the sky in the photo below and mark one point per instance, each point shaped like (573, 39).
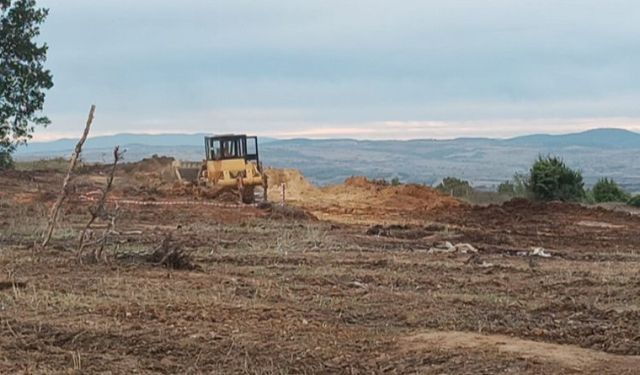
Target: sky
(366, 69)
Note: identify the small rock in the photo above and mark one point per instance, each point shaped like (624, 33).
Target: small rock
(539, 252)
(357, 284)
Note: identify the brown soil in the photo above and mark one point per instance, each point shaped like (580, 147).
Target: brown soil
(568, 357)
(359, 200)
(274, 291)
(296, 186)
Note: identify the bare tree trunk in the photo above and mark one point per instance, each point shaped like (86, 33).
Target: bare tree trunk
(99, 209)
(53, 214)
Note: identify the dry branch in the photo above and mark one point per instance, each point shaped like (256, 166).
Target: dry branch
(99, 209)
(53, 214)
(170, 255)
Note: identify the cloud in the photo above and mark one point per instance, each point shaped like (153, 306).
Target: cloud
(291, 124)
(337, 63)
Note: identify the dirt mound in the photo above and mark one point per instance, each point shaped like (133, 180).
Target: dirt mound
(420, 192)
(379, 195)
(153, 164)
(365, 183)
(358, 198)
(297, 186)
(148, 179)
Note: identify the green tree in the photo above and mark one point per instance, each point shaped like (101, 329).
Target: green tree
(396, 181)
(23, 77)
(607, 190)
(551, 179)
(455, 186)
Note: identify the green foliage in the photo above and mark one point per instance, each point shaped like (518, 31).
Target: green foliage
(607, 190)
(455, 187)
(521, 184)
(588, 197)
(516, 187)
(6, 161)
(23, 78)
(507, 188)
(551, 179)
(635, 201)
(395, 181)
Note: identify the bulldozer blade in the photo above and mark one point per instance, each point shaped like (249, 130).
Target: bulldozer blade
(187, 171)
(214, 192)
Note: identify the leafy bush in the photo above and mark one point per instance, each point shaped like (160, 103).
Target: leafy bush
(507, 187)
(551, 179)
(6, 161)
(588, 197)
(455, 186)
(516, 187)
(395, 181)
(607, 190)
(635, 201)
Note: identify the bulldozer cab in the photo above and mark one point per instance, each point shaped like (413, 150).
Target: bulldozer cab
(227, 147)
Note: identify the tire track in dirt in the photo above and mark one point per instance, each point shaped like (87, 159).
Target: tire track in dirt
(568, 357)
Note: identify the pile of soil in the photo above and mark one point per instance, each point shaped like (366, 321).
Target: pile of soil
(365, 183)
(376, 194)
(358, 198)
(150, 178)
(153, 164)
(298, 188)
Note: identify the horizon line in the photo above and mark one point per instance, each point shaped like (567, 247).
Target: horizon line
(285, 138)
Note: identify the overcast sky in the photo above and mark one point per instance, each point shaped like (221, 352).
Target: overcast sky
(347, 68)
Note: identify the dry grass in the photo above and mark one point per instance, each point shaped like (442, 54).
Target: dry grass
(277, 296)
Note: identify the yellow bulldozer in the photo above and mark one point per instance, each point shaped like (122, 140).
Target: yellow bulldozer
(231, 163)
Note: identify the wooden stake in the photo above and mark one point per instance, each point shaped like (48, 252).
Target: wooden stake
(283, 198)
(53, 214)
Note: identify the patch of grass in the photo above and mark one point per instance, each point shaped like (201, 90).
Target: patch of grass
(56, 164)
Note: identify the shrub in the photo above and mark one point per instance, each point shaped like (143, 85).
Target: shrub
(516, 187)
(588, 197)
(395, 181)
(455, 186)
(6, 161)
(635, 201)
(607, 190)
(551, 179)
(507, 188)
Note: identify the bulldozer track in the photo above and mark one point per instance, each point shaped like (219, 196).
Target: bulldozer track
(89, 198)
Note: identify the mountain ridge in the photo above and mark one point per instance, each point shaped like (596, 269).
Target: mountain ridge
(483, 161)
(597, 137)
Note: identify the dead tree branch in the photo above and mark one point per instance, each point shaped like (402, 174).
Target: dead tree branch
(97, 254)
(53, 214)
(99, 209)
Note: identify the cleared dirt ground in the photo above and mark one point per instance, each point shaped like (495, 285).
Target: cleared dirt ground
(357, 292)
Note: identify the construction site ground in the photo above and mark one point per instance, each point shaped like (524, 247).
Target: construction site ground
(355, 278)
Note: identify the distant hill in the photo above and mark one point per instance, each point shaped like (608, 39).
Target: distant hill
(597, 138)
(484, 161)
(124, 139)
